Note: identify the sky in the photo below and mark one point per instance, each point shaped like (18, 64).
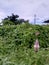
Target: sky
(25, 9)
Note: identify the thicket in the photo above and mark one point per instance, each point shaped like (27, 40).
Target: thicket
(16, 44)
(24, 35)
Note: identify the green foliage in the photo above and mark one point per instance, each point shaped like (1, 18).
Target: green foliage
(24, 35)
(16, 45)
(13, 20)
(7, 22)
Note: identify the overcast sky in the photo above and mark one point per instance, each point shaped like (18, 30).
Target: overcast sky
(25, 9)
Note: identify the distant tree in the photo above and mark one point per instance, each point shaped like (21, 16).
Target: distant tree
(23, 21)
(13, 19)
(47, 21)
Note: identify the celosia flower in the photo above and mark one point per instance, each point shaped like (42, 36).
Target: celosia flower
(36, 45)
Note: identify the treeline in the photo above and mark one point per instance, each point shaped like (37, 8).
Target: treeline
(13, 20)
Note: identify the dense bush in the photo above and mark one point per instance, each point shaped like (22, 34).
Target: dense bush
(24, 35)
(16, 44)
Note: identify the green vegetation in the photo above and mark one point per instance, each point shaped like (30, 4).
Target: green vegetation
(16, 44)
(13, 20)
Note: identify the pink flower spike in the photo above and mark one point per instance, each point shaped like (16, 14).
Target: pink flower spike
(36, 45)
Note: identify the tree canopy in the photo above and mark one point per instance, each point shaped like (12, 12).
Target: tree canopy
(47, 21)
(13, 20)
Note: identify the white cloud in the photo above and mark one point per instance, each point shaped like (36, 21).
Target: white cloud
(2, 15)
